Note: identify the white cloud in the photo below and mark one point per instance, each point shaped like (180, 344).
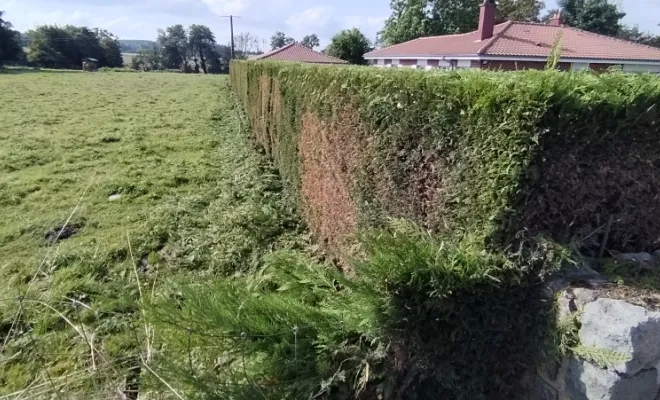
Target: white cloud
(227, 7)
(117, 21)
(312, 18)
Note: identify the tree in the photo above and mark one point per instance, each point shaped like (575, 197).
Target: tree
(202, 42)
(65, 47)
(598, 16)
(111, 52)
(280, 39)
(173, 42)
(147, 59)
(635, 35)
(311, 41)
(245, 44)
(519, 10)
(10, 42)
(411, 19)
(349, 45)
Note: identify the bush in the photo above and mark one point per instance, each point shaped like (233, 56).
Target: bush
(109, 69)
(493, 155)
(423, 319)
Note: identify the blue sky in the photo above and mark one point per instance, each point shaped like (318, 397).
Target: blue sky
(140, 19)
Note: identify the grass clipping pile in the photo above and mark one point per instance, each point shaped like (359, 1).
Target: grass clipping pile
(446, 173)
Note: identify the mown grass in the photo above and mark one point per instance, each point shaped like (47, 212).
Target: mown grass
(196, 202)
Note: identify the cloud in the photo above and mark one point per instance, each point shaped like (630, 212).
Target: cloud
(312, 18)
(227, 7)
(116, 21)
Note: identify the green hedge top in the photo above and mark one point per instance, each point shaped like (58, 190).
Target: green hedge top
(572, 156)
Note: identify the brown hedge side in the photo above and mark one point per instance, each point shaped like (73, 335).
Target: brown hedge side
(493, 156)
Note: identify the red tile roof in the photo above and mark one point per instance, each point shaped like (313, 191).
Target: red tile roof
(299, 53)
(524, 39)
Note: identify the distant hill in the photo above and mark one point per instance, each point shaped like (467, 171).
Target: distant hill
(135, 46)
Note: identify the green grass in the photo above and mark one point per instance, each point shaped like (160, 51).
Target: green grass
(197, 203)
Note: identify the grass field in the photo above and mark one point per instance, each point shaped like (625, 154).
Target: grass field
(111, 187)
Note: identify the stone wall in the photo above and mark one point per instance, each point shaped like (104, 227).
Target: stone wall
(618, 357)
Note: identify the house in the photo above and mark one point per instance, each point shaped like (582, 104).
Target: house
(89, 64)
(518, 45)
(299, 53)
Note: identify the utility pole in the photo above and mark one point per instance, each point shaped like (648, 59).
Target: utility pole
(231, 25)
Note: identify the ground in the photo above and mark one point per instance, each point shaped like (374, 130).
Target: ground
(114, 186)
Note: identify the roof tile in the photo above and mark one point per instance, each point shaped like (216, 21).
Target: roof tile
(299, 53)
(524, 39)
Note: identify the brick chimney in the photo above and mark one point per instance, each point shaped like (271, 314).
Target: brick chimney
(487, 19)
(556, 19)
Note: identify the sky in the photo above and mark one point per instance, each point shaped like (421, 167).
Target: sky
(140, 19)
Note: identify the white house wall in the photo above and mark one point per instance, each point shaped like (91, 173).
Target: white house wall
(423, 63)
(641, 68)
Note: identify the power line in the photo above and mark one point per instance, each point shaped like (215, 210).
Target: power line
(231, 26)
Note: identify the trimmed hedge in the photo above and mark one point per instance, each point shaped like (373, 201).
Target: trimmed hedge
(489, 155)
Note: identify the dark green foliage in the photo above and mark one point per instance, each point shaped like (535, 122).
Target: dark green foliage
(518, 10)
(110, 51)
(174, 51)
(489, 154)
(598, 16)
(635, 35)
(66, 47)
(201, 42)
(423, 319)
(411, 19)
(280, 39)
(183, 50)
(310, 41)
(349, 45)
(10, 43)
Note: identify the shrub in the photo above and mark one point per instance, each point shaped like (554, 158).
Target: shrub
(423, 319)
(110, 69)
(496, 155)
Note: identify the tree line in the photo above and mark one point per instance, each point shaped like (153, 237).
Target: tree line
(411, 19)
(10, 43)
(349, 44)
(195, 49)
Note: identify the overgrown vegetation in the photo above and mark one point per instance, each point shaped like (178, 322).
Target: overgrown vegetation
(421, 319)
(105, 178)
(485, 155)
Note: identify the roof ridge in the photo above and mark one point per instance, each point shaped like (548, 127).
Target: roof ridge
(611, 38)
(275, 51)
(496, 37)
(459, 34)
(310, 50)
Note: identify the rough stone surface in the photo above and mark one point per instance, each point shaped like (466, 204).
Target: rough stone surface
(585, 381)
(620, 327)
(573, 300)
(542, 391)
(634, 258)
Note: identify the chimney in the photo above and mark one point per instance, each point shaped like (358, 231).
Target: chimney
(556, 19)
(487, 19)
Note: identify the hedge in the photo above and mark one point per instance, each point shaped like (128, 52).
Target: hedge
(488, 155)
